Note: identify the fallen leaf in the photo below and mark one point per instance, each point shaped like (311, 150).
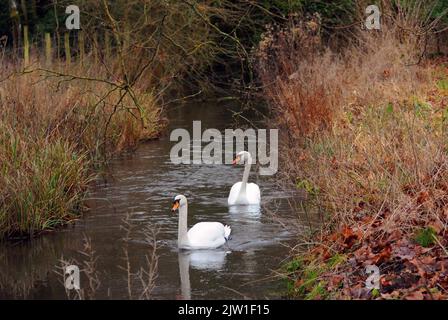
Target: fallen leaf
(422, 197)
(384, 254)
(416, 295)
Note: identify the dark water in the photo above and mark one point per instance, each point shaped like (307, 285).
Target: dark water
(142, 186)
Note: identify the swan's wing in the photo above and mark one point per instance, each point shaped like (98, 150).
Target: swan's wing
(233, 195)
(207, 234)
(253, 193)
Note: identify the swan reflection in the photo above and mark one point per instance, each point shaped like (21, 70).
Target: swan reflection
(250, 210)
(207, 260)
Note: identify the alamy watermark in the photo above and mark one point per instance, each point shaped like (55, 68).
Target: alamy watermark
(373, 280)
(373, 19)
(73, 21)
(72, 277)
(372, 22)
(189, 148)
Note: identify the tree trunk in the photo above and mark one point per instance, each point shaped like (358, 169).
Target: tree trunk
(24, 11)
(15, 28)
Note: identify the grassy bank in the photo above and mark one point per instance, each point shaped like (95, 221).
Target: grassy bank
(55, 127)
(366, 138)
(70, 99)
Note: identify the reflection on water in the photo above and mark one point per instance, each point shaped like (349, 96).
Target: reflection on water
(142, 185)
(184, 271)
(246, 210)
(208, 260)
(28, 269)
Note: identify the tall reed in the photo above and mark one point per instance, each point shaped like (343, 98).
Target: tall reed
(55, 125)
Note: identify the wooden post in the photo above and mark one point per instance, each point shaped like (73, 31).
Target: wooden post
(81, 46)
(68, 57)
(48, 53)
(26, 45)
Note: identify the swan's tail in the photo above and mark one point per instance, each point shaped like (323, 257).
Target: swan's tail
(227, 231)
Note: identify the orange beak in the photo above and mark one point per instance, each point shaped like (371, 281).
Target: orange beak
(237, 159)
(175, 206)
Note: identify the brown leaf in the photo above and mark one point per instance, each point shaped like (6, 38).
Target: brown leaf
(416, 295)
(335, 281)
(420, 267)
(298, 283)
(362, 254)
(349, 237)
(385, 282)
(333, 237)
(394, 236)
(403, 251)
(428, 260)
(384, 254)
(392, 295)
(423, 196)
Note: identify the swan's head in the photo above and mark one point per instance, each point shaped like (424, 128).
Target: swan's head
(242, 157)
(179, 201)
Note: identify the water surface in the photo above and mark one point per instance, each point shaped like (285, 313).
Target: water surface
(141, 186)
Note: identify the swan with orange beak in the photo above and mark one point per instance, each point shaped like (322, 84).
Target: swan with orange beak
(203, 235)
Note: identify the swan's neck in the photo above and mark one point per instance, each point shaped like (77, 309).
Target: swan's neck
(246, 174)
(184, 266)
(182, 234)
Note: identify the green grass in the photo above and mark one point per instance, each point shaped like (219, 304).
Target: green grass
(318, 291)
(42, 184)
(336, 260)
(375, 293)
(52, 138)
(442, 84)
(308, 187)
(304, 279)
(426, 237)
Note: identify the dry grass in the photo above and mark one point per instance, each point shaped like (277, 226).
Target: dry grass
(309, 85)
(359, 121)
(53, 128)
(366, 133)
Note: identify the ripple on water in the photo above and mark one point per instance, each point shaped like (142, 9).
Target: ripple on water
(142, 186)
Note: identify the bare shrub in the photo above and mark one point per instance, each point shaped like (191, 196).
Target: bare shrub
(89, 271)
(145, 275)
(140, 283)
(361, 131)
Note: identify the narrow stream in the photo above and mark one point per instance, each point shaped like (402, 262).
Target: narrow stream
(142, 186)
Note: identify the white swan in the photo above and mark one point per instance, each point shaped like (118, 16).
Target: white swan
(243, 193)
(203, 235)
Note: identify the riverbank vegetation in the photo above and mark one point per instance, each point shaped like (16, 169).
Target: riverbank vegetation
(366, 139)
(53, 131)
(363, 112)
(71, 99)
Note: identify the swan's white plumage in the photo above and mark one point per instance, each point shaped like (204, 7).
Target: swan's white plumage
(244, 193)
(252, 195)
(203, 235)
(208, 235)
